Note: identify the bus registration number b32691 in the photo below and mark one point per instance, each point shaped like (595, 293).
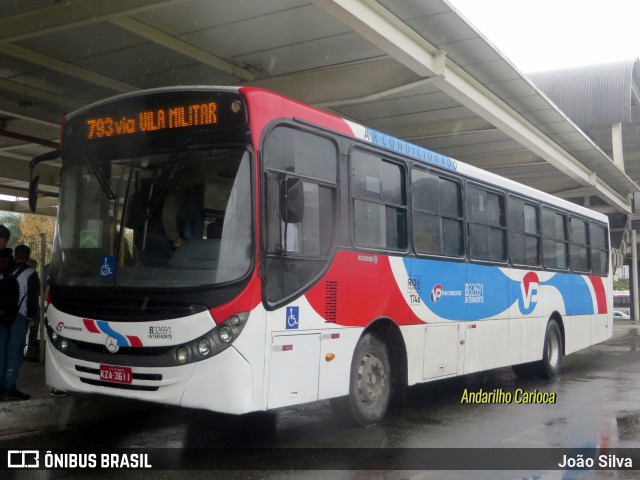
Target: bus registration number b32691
(115, 374)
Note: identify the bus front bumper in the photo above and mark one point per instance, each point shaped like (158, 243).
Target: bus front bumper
(222, 383)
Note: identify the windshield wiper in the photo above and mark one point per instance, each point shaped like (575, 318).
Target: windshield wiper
(101, 180)
(169, 175)
(172, 169)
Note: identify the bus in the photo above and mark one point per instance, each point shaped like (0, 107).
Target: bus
(233, 250)
(622, 301)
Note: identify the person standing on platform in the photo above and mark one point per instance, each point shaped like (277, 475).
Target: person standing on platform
(13, 333)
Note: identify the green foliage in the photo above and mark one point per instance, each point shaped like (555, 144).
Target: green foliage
(621, 285)
(26, 229)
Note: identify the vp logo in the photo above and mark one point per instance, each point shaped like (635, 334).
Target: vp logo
(436, 293)
(529, 289)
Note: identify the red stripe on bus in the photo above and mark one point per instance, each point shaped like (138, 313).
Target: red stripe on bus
(601, 296)
(245, 301)
(134, 341)
(90, 325)
(366, 290)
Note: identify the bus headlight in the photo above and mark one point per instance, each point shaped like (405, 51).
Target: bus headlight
(59, 342)
(182, 355)
(204, 347)
(226, 334)
(213, 342)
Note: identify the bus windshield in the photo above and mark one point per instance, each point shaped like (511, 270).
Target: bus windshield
(175, 219)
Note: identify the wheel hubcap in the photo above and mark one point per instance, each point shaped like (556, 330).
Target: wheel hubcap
(372, 380)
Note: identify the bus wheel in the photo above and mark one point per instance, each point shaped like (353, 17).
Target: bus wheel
(549, 366)
(370, 384)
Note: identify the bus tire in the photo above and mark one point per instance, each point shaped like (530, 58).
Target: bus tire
(369, 385)
(549, 366)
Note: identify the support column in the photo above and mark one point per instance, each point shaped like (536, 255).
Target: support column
(43, 292)
(634, 276)
(616, 142)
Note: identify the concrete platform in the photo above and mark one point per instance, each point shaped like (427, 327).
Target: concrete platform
(43, 413)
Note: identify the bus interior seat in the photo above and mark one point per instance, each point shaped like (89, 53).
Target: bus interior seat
(197, 254)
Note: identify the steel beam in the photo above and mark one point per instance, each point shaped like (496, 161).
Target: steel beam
(390, 34)
(329, 87)
(19, 90)
(150, 33)
(13, 170)
(66, 68)
(61, 16)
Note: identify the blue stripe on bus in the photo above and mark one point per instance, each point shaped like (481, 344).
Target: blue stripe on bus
(409, 149)
(468, 292)
(104, 326)
(575, 293)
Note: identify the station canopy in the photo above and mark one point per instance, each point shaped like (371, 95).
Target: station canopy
(415, 69)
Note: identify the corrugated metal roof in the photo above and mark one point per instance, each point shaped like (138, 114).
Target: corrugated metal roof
(607, 87)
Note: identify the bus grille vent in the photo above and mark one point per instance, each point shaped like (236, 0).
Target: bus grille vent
(121, 386)
(331, 301)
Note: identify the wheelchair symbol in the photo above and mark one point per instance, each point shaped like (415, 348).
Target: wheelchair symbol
(292, 317)
(106, 269)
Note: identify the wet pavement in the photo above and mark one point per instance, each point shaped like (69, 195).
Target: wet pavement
(597, 405)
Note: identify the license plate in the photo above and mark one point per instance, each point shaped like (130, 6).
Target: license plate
(115, 374)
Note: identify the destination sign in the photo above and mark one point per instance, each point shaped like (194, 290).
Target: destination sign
(191, 115)
(155, 120)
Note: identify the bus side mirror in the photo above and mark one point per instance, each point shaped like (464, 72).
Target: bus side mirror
(291, 200)
(34, 184)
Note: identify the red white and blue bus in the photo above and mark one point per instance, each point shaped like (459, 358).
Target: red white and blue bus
(233, 250)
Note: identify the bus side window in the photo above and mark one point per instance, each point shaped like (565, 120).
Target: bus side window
(379, 202)
(487, 225)
(599, 250)
(437, 214)
(524, 232)
(579, 251)
(555, 244)
(300, 167)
